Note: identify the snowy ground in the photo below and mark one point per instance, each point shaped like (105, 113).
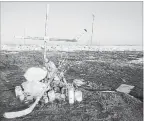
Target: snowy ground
(71, 48)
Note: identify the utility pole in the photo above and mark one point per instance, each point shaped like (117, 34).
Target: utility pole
(24, 36)
(92, 28)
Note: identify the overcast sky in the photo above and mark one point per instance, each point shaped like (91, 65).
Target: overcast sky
(116, 23)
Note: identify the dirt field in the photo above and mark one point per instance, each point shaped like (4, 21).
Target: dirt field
(104, 70)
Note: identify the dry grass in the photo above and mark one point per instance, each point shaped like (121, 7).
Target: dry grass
(104, 70)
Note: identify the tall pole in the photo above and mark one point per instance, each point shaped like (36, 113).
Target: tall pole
(24, 36)
(46, 22)
(92, 29)
(46, 31)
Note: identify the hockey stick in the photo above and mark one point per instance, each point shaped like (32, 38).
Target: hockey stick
(21, 113)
